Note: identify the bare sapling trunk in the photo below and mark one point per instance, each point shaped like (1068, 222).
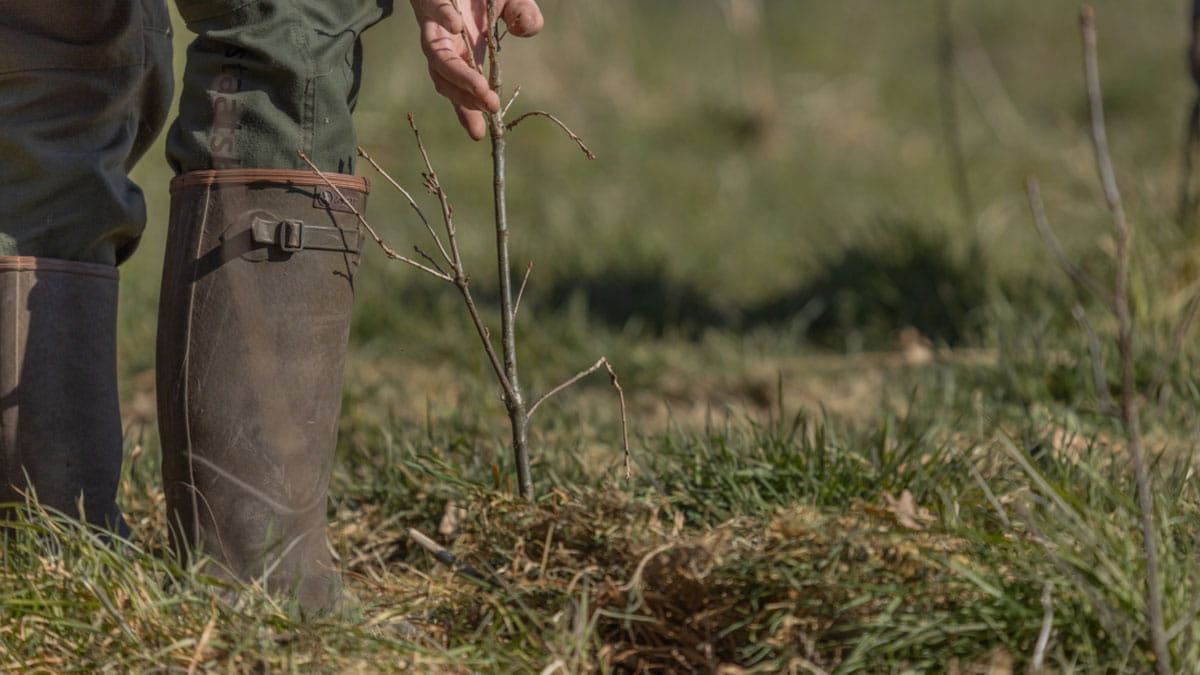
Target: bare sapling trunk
(451, 269)
(514, 400)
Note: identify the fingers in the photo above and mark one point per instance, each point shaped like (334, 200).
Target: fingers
(487, 100)
(441, 12)
(472, 121)
(522, 17)
(452, 74)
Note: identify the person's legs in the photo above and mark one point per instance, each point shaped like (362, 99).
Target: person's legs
(258, 283)
(84, 89)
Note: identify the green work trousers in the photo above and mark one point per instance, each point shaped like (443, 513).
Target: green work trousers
(85, 86)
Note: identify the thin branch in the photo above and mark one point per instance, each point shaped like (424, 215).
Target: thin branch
(1104, 168)
(426, 256)
(575, 378)
(1129, 400)
(386, 249)
(516, 93)
(1099, 376)
(521, 290)
(541, 113)
(612, 377)
(460, 280)
(411, 202)
(1073, 271)
(447, 558)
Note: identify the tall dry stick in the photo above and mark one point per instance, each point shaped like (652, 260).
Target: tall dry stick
(1121, 305)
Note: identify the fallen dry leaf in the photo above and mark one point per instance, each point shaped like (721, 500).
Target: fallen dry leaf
(906, 512)
(451, 523)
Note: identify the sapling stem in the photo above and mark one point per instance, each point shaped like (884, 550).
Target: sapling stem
(514, 401)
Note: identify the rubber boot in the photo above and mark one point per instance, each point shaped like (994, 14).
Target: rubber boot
(60, 424)
(252, 330)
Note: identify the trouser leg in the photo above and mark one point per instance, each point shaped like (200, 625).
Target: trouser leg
(267, 78)
(84, 89)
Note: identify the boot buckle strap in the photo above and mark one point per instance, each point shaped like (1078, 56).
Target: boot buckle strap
(294, 235)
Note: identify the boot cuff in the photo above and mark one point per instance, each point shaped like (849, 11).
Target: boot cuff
(27, 263)
(272, 177)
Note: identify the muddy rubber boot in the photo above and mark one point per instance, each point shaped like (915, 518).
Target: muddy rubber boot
(60, 424)
(252, 330)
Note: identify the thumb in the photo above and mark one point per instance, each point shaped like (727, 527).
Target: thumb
(522, 17)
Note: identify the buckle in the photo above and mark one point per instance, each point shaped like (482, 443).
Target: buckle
(290, 237)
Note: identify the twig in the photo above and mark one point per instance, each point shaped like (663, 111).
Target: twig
(1098, 375)
(411, 202)
(1039, 650)
(567, 130)
(460, 279)
(516, 93)
(1129, 402)
(447, 558)
(612, 376)
(1038, 209)
(426, 256)
(1104, 169)
(386, 249)
(521, 290)
(575, 378)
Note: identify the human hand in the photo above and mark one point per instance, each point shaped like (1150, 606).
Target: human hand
(452, 64)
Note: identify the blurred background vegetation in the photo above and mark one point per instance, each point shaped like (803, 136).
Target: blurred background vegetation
(784, 165)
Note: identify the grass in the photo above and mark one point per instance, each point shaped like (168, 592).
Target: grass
(771, 207)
